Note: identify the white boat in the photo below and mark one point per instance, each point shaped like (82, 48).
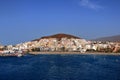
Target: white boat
(19, 55)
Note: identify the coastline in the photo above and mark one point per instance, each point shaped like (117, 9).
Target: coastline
(60, 53)
(77, 53)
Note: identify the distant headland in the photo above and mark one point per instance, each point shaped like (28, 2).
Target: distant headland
(63, 43)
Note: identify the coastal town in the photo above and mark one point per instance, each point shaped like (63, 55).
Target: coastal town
(61, 43)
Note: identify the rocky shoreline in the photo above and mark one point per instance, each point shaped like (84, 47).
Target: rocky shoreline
(87, 53)
(55, 53)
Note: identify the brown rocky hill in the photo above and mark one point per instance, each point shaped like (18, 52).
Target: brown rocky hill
(58, 36)
(110, 38)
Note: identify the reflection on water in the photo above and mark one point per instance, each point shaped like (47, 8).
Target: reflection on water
(60, 67)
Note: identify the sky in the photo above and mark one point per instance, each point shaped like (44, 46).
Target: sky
(25, 20)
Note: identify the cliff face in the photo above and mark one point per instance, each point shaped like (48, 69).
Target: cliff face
(58, 36)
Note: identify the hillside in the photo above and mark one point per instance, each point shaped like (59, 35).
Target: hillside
(115, 38)
(58, 36)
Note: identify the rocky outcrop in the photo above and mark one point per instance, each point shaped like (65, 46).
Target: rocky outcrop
(117, 48)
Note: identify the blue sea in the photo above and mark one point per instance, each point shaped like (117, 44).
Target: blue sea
(60, 67)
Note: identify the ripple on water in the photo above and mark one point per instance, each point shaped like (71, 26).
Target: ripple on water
(60, 67)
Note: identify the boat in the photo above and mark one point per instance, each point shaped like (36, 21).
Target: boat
(19, 55)
(8, 53)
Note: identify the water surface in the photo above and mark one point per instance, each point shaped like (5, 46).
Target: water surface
(60, 67)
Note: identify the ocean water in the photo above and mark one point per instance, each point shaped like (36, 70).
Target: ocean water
(60, 67)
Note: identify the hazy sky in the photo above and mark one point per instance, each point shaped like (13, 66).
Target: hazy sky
(24, 20)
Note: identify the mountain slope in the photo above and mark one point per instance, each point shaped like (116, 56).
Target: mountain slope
(58, 36)
(115, 38)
